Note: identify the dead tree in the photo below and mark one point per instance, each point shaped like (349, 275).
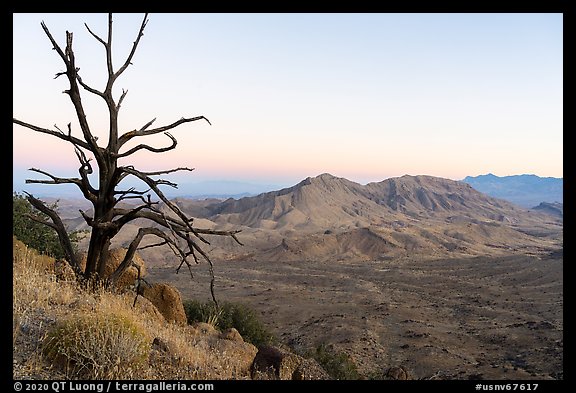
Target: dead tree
(174, 229)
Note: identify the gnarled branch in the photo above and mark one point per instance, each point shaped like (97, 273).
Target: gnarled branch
(58, 134)
(149, 148)
(144, 131)
(59, 227)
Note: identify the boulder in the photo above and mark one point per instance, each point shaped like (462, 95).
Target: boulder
(275, 363)
(115, 258)
(147, 308)
(310, 369)
(239, 356)
(167, 300)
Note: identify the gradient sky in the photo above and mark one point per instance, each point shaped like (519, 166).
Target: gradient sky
(361, 96)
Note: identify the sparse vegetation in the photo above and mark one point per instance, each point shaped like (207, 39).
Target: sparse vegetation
(230, 315)
(337, 364)
(97, 346)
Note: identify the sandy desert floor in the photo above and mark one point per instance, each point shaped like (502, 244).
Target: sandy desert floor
(475, 318)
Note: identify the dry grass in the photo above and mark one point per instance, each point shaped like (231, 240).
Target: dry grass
(61, 331)
(97, 346)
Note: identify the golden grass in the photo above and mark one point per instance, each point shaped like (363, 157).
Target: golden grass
(43, 307)
(97, 346)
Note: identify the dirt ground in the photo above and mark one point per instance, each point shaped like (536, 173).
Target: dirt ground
(476, 318)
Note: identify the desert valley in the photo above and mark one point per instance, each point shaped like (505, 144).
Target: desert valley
(420, 272)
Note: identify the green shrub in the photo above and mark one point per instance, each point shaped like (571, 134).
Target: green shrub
(34, 234)
(97, 347)
(230, 315)
(337, 364)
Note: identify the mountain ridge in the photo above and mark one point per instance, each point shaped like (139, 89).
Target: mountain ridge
(332, 218)
(526, 190)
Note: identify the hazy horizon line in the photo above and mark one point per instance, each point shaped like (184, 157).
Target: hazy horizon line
(226, 186)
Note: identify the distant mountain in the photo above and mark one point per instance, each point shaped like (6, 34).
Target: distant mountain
(328, 217)
(331, 218)
(523, 190)
(327, 201)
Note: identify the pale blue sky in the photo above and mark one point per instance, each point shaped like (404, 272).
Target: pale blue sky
(362, 96)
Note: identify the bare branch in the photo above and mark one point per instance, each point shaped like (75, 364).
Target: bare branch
(55, 180)
(60, 229)
(131, 193)
(40, 220)
(74, 92)
(153, 185)
(132, 249)
(149, 148)
(61, 135)
(143, 132)
(124, 92)
(138, 280)
(134, 46)
(167, 171)
(129, 216)
(88, 88)
(147, 124)
(85, 169)
(94, 35)
(153, 245)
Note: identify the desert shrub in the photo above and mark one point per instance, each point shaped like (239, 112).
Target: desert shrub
(197, 311)
(337, 364)
(228, 315)
(34, 234)
(101, 346)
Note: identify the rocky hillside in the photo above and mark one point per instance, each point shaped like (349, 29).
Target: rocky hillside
(62, 331)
